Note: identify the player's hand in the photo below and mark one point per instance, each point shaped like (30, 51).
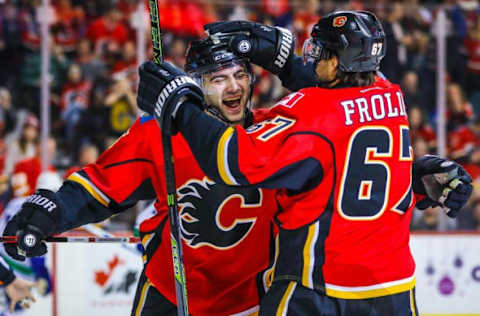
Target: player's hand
(165, 87)
(267, 46)
(35, 221)
(19, 291)
(443, 182)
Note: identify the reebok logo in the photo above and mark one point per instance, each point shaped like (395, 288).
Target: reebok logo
(169, 88)
(285, 48)
(41, 201)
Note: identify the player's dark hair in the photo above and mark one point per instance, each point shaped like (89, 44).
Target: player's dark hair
(356, 79)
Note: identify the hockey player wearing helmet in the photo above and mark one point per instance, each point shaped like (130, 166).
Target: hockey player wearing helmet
(340, 158)
(226, 79)
(219, 223)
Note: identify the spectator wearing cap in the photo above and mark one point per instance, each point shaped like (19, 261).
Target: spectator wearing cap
(23, 146)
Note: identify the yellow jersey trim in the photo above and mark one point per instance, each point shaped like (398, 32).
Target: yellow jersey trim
(221, 156)
(143, 295)
(91, 188)
(283, 307)
(377, 290)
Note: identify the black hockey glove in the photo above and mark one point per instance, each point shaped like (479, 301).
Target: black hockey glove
(165, 87)
(33, 223)
(266, 46)
(444, 183)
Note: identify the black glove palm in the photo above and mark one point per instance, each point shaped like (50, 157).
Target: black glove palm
(36, 220)
(164, 86)
(267, 46)
(443, 182)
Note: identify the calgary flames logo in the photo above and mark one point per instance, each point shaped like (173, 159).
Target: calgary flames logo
(201, 204)
(339, 21)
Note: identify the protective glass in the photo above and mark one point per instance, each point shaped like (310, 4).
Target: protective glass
(313, 50)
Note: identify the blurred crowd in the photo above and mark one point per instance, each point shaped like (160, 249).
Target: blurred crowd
(93, 76)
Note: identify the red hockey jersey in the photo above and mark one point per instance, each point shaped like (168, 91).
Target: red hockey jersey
(341, 160)
(226, 243)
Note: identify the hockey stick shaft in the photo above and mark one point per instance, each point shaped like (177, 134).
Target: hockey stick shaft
(77, 239)
(175, 233)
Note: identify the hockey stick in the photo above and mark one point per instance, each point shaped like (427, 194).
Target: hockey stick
(175, 234)
(100, 232)
(77, 239)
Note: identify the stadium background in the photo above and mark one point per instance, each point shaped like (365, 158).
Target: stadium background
(61, 119)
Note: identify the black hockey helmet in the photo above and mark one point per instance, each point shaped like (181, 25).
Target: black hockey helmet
(208, 54)
(355, 37)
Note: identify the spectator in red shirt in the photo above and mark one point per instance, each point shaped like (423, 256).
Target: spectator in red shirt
(107, 28)
(472, 47)
(304, 19)
(463, 140)
(126, 65)
(26, 172)
(421, 129)
(69, 23)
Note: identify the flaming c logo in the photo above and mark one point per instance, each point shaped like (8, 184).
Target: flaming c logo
(339, 21)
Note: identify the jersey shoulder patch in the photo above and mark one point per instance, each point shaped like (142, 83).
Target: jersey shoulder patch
(145, 118)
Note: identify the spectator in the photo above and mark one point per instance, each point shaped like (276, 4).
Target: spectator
(74, 100)
(473, 164)
(24, 146)
(459, 109)
(30, 77)
(469, 218)
(395, 61)
(421, 129)
(88, 154)
(10, 43)
(69, 24)
(7, 111)
(176, 53)
(420, 147)
(306, 15)
(107, 28)
(90, 64)
(126, 66)
(431, 219)
(411, 93)
(122, 104)
(472, 46)
(27, 171)
(463, 140)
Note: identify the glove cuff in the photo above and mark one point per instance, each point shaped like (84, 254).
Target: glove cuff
(284, 51)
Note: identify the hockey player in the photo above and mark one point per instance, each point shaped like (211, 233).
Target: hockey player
(32, 269)
(219, 223)
(340, 158)
(18, 290)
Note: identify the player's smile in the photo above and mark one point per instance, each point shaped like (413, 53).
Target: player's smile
(233, 105)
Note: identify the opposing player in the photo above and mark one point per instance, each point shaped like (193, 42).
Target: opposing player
(220, 224)
(340, 158)
(17, 289)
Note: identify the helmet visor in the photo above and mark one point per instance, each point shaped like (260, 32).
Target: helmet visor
(313, 50)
